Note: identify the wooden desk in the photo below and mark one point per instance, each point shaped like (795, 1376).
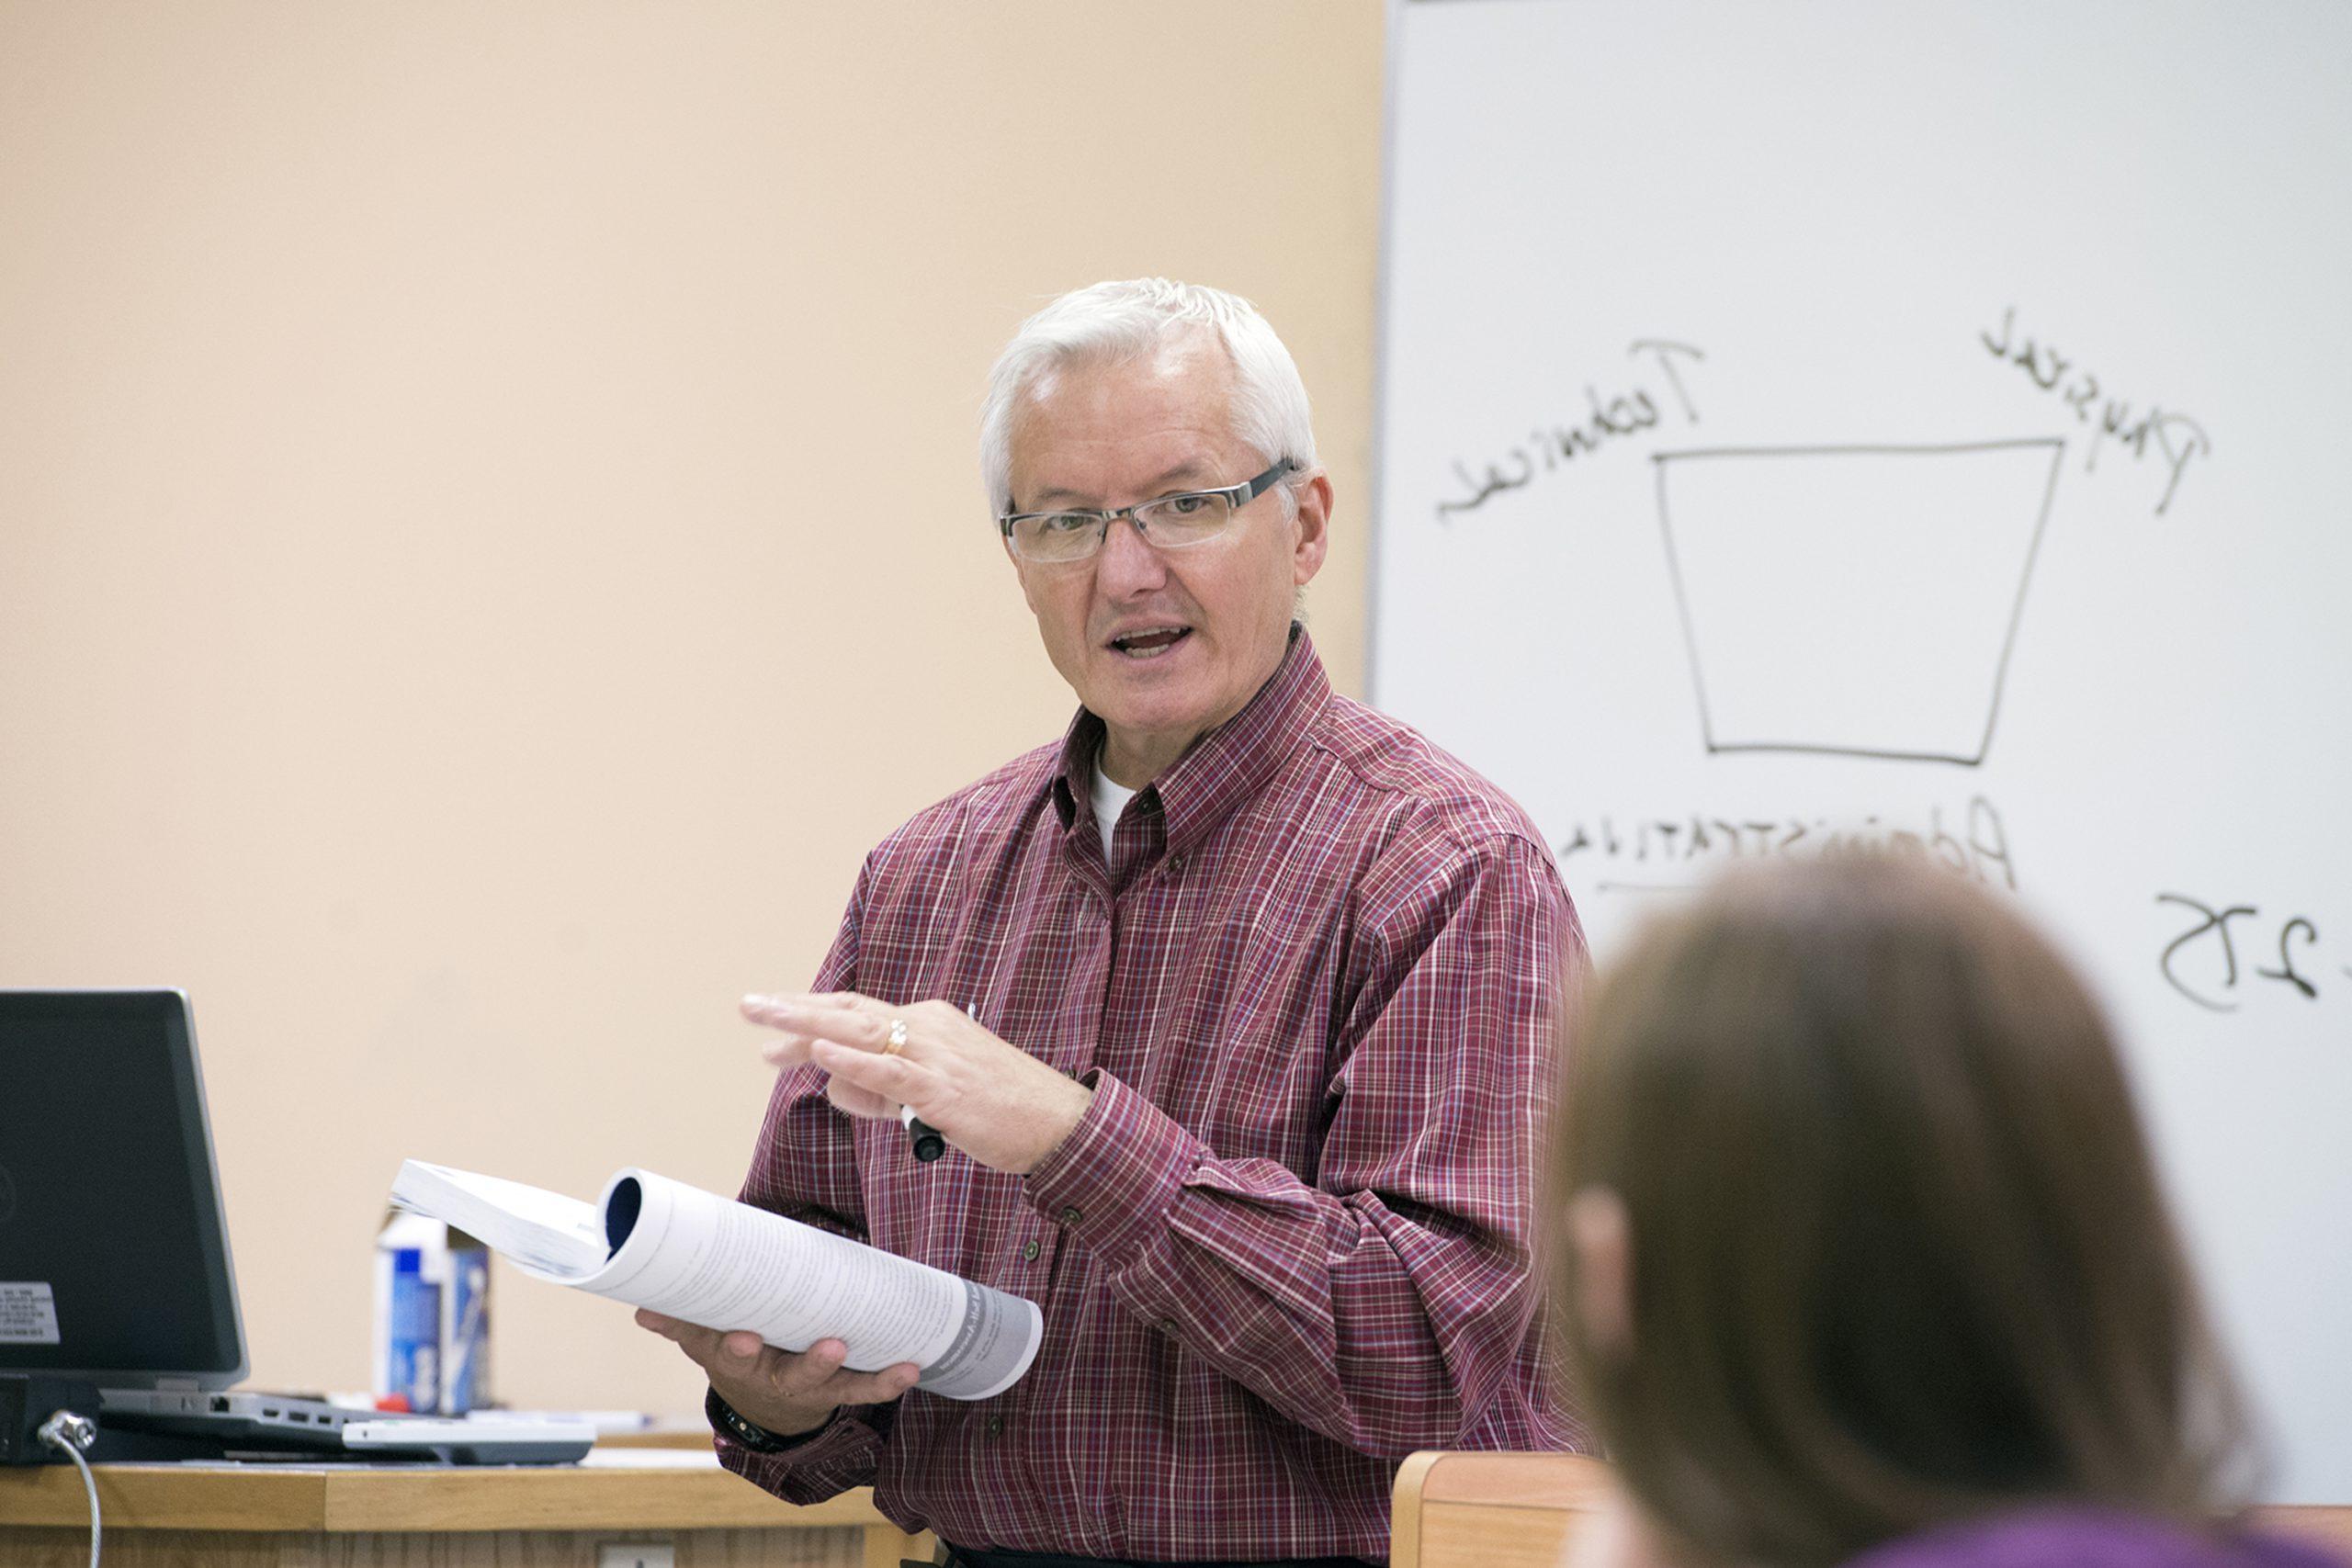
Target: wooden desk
(467, 1517)
(1506, 1510)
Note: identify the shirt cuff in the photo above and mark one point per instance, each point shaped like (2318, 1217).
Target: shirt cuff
(1113, 1181)
(821, 1464)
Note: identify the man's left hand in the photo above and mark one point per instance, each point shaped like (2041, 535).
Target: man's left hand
(990, 1098)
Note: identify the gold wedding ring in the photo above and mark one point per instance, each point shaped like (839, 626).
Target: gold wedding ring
(897, 1040)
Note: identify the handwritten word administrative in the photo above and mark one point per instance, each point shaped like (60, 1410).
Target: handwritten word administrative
(2201, 961)
(2175, 439)
(1608, 421)
(1630, 853)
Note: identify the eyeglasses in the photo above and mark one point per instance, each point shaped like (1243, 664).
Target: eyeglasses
(1168, 522)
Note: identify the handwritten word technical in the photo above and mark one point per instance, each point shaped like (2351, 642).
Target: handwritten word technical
(1609, 421)
(2175, 437)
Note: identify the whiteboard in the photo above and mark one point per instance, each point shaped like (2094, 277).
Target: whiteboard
(1925, 425)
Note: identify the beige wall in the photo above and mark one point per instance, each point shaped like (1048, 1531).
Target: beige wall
(488, 533)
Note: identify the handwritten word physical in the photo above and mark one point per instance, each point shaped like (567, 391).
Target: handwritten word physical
(2175, 437)
(1627, 853)
(2201, 961)
(1611, 420)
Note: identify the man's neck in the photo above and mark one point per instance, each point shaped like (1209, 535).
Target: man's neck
(1131, 763)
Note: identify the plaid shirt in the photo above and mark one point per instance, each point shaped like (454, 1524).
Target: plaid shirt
(1291, 1241)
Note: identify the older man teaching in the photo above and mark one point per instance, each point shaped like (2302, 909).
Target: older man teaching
(1235, 1006)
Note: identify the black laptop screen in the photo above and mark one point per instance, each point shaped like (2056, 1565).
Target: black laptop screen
(113, 1263)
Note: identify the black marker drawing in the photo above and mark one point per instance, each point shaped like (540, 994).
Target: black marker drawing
(1609, 847)
(2176, 438)
(1854, 601)
(2217, 922)
(1607, 419)
(2213, 933)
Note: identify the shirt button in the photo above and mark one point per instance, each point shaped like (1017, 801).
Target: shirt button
(1175, 866)
(1070, 1216)
(1167, 1326)
(1029, 1251)
(996, 1425)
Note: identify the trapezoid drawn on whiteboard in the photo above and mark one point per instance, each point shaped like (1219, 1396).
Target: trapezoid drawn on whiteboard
(1858, 601)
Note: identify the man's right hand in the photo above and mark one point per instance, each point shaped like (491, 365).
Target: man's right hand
(788, 1393)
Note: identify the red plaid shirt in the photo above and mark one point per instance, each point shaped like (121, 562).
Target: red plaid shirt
(1291, 1240)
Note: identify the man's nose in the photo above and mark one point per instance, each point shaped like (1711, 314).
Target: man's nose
(1126, 563)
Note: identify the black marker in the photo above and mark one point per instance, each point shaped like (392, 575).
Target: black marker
(926, 1140)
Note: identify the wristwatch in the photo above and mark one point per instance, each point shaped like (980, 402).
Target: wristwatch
(725, 1419)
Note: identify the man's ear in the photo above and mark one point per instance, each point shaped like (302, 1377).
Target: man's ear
(1600, 1239)
(1311, 528)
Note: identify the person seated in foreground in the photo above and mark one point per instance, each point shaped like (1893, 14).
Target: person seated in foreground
(1866, 1260)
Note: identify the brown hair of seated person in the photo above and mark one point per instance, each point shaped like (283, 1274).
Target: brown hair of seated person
(1889, 1244)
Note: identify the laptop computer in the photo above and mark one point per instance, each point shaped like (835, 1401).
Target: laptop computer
(114, 1249)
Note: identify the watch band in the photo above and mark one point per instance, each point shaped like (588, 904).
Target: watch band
(744, 1433)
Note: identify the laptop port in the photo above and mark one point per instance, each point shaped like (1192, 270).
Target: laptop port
(220, 1403)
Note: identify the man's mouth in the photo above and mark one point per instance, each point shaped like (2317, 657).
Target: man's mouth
(1150, 642)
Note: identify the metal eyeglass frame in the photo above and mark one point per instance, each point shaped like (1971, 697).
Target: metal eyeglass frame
(1236, 498)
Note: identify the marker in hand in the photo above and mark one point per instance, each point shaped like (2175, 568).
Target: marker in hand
(926, 1140)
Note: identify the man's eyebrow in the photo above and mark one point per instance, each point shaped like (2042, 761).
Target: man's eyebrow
(1187, 474)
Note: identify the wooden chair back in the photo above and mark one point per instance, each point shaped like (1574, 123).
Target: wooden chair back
(1519, 1510)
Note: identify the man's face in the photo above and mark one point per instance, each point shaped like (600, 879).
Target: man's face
(1162, 644)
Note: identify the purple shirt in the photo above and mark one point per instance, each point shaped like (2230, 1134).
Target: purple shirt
(1291, 1241)
(2086, 1538)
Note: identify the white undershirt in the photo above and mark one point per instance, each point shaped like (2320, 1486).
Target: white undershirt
(1111, 797)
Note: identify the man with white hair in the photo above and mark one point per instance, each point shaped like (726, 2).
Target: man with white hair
(1236, 1003)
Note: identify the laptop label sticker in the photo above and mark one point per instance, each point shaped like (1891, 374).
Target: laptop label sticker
(27, 1312)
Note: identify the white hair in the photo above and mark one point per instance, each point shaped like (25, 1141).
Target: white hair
(1118, 321)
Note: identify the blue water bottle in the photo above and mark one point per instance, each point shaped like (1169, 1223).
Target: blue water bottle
(465, 1325)
(409, 1251)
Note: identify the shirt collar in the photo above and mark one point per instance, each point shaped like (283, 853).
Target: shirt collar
(1227, 765)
